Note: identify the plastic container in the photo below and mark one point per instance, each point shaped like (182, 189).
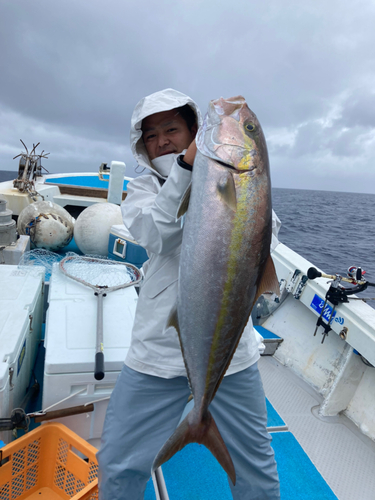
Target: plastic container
(70, 350)
(12, 253)
(50, 463)
(21, 315)
(122, 247)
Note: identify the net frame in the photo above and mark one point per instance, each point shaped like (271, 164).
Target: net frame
(70, 262)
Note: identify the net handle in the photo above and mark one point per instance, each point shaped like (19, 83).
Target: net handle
(100, 292)
(99, 354)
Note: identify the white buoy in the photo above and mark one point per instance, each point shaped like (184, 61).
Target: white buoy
(93, 225)
(48, 225)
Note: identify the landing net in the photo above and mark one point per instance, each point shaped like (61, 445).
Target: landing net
(100, 273)
(40, 257)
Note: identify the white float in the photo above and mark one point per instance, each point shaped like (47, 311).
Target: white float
(93, 225)
(48, 225)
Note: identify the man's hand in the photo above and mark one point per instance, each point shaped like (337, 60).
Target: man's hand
(190, 154)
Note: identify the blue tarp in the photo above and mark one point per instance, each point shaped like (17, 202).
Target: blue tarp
(83, 181)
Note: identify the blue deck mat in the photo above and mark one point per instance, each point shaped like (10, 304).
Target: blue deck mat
(299, 478)
(266, 334)
(194, 474)
(273, 418)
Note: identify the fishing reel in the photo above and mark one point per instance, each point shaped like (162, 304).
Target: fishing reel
(337, 293)
(355, 273)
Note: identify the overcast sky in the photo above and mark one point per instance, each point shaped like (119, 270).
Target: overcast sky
(71, 72)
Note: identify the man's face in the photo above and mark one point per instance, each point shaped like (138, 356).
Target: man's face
(165, 133)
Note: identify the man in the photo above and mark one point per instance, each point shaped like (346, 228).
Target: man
(152, 390)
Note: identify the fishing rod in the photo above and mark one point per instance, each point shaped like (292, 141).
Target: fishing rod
(337, 293)
(19, 419)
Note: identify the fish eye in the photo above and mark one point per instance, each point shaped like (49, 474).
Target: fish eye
(250, 127)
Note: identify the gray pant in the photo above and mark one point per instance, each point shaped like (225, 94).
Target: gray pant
(144, 411)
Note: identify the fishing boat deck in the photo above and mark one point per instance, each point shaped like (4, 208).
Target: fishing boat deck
(340, 452)
(323, 459)
(317, 458)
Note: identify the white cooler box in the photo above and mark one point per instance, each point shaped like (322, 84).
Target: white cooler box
(21, 313)
(70, 349)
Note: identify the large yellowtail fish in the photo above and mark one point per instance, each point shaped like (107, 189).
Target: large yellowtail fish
(225, 262)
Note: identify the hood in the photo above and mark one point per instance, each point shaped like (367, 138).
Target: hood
(164, 100)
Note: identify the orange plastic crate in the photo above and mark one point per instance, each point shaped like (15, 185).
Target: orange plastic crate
(47, 464)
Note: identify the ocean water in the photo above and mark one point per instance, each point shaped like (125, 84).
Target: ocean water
(7, 175)
(332, 230)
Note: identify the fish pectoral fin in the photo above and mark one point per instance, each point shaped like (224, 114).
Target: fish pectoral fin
(269, 282)
(204, 432)
(173, 319)
(227, 191)
(172, 322)
(184, 205)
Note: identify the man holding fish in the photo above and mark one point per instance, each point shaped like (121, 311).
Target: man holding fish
(193, 323)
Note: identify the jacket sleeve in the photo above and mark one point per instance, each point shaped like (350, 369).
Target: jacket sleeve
(149, 210)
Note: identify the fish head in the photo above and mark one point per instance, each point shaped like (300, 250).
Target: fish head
(232, 135)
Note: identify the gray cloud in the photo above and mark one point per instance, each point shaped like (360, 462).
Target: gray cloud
(359, 109)
(72, 72)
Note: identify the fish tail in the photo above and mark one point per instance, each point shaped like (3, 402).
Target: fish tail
(197, 430)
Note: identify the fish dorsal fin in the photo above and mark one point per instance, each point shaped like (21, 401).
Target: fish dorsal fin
(269, 282)
(184, 205)
(227, 191)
